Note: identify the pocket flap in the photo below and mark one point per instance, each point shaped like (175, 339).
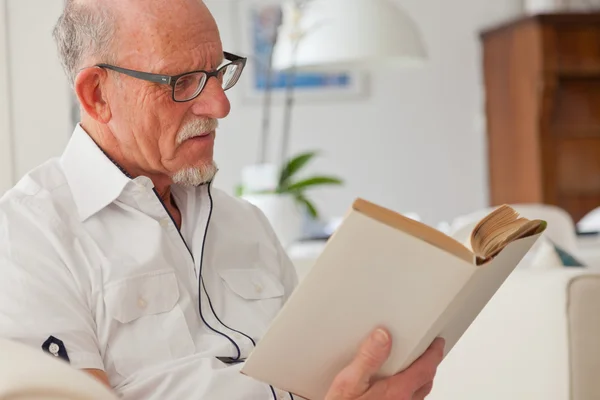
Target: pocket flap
(252, 283)
(148, 294)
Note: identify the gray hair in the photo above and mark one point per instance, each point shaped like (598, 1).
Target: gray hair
(84, 31)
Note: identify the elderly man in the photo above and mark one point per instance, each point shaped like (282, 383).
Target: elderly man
(120, 257)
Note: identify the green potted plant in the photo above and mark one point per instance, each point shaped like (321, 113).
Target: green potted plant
(285, 200)
(290, 184)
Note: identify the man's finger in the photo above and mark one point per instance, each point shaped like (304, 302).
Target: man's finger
(423, 370)
(423, 392)
(355, 379)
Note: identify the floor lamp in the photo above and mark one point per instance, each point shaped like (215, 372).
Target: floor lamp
(334, 35)
(323, 35)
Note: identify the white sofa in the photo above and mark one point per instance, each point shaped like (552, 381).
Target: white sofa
(537, 339)
(539, 336)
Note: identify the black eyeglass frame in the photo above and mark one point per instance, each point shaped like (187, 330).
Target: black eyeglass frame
(171, 80)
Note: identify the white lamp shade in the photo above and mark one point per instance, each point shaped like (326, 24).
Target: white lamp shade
(348, 34)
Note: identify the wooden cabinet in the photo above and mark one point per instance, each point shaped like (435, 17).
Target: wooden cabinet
(542, 91)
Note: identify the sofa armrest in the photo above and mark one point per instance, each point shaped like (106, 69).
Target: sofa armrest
(519, 346)
(584, 336)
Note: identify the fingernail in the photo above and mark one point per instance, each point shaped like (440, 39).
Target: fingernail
(442, 342)
(381, 337)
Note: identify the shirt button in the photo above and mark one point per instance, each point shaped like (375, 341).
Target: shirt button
(54, 349)
(142, 303)
(258, 288)
(165, 222)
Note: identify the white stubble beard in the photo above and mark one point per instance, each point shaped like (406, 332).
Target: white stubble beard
(198, 175)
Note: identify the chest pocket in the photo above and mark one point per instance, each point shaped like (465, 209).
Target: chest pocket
(256, 288)
(149, 326)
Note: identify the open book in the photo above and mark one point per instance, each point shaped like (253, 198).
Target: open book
(383, 269)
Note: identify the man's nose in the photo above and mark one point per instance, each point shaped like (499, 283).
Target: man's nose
(212, 102)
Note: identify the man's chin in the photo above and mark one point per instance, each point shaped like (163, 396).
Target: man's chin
(195, 176)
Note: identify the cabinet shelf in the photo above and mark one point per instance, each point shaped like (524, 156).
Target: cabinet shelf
(544, 148)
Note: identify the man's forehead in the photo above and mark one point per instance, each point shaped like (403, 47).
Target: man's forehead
(158, 17)
(209, 57)
(149, 6)
(167, 33)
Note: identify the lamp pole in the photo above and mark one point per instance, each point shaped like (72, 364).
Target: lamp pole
(266, 119)
(289, 106)
(295, 36)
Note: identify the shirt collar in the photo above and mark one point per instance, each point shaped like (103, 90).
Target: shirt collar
(95, 181)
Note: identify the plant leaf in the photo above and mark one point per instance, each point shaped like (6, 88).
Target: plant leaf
(239, 190)
(310, 207)
(312, 182)
(293, 166)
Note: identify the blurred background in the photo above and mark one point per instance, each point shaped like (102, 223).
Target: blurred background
(434, 109)
(413, 140)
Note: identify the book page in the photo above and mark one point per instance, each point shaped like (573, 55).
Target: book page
(414, 228)
(498, 229)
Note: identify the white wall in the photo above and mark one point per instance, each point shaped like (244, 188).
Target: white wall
(39, 90)
(416, 143)
(6, 170)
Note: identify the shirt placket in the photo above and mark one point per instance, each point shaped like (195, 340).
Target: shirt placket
(150, 204)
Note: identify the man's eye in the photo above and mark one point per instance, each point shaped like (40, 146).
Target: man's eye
(184, 83)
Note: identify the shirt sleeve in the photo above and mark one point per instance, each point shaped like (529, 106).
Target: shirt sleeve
(41, 301)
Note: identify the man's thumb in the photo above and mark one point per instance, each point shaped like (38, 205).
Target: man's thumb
(355, 379)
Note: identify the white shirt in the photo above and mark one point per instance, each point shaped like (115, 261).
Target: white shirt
(93, 259)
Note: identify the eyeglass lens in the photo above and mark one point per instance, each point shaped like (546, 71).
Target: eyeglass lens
(189, 85)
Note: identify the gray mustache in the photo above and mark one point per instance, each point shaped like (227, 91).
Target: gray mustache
(197, 127)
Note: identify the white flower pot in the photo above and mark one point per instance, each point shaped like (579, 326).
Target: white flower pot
(282, 212)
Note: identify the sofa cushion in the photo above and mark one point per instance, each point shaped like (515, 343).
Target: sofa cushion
(548, 255)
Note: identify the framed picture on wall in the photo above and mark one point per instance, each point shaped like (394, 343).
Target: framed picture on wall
(258, 21)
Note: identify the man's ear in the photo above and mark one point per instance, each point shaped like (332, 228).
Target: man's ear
(90, 86)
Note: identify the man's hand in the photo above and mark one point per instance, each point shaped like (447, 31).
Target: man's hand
(414, 383)
(100, 375)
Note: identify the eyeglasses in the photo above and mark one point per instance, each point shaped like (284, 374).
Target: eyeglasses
(188, 86)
